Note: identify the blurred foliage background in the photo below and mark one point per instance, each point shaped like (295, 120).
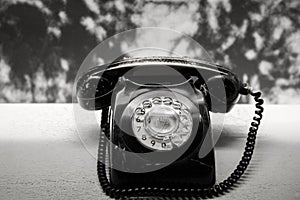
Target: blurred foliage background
(43, 42)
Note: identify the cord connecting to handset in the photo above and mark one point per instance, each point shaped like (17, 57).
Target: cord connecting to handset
(245, 89)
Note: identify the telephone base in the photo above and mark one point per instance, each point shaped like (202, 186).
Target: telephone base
(187, 173)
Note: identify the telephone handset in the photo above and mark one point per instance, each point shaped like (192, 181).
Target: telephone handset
(155, 121)
(96, 86)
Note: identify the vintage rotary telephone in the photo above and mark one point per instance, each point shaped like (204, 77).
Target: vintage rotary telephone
(155, 121)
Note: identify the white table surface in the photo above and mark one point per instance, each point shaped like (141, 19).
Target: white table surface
(43, 157)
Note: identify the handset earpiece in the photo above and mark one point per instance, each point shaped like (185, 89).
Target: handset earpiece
(216, 97)
(89, 93)
(94, 89)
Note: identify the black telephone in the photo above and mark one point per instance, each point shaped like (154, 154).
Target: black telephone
(155, 121)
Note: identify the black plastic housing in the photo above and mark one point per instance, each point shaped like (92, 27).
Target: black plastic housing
(187, 170)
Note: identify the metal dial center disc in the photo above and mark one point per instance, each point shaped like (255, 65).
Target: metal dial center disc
(161, 120)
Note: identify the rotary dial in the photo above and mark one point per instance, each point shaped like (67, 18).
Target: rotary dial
(162, 123)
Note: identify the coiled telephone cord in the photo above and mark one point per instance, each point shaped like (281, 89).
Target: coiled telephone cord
(177, 193)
